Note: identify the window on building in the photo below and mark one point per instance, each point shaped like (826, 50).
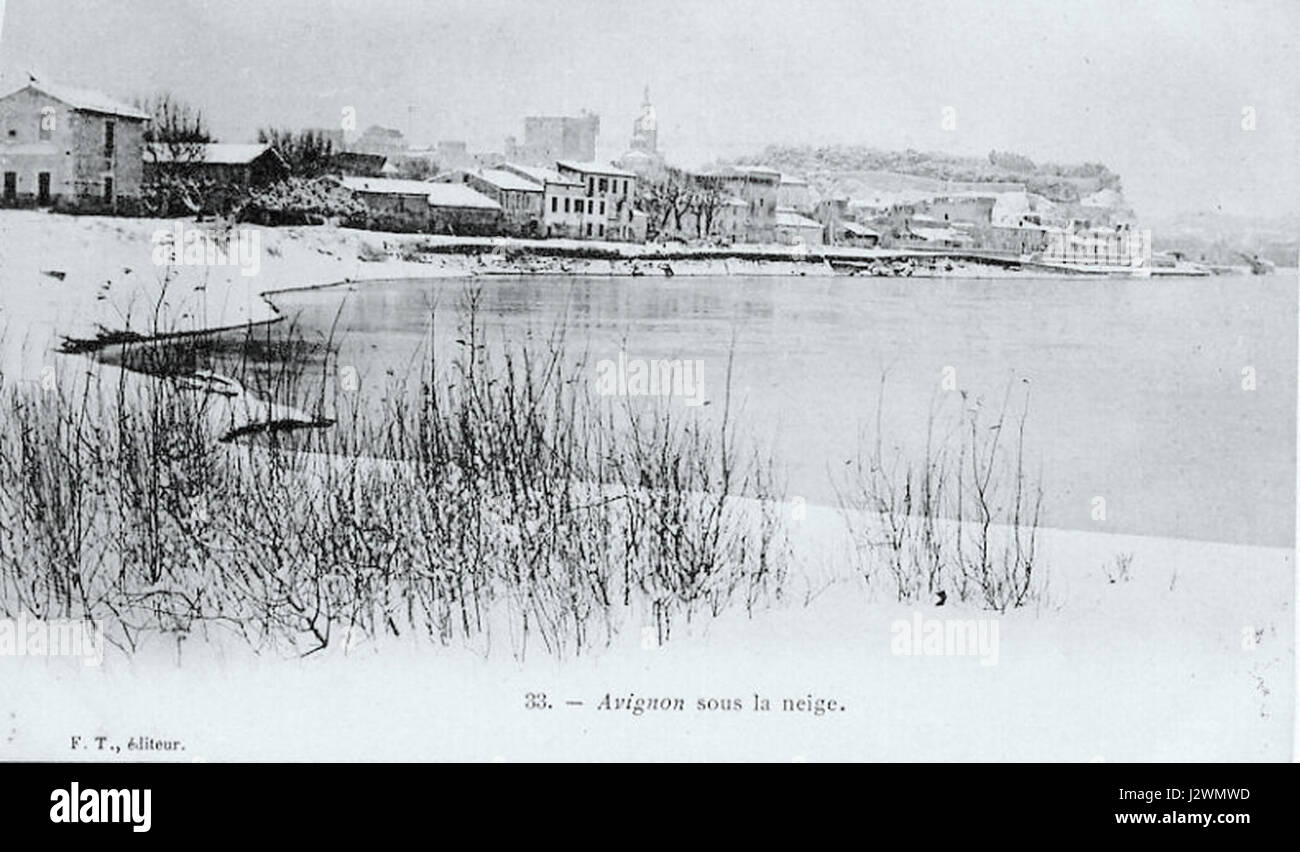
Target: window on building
(11, 186)
(589, 229)
(109, 130)
(555, 204)
(591, 185)
(566, 205)
(602, 230)
(602, 208)
(604, 185)
(108, 189)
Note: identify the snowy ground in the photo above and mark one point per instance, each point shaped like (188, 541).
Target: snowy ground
(66, 275)
(1154, 668)
(1191, 658)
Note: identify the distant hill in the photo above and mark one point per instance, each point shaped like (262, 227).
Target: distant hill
(1058, 191)
(867, 173)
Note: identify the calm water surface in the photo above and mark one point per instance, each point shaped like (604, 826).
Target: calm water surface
(1136, 387)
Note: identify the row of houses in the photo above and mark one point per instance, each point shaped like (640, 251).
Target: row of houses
(72, 148)
(592, 201)
(413, 205)
(589, 201)
(75, 148)
(967, 221)
(764, 205)
(64, 147)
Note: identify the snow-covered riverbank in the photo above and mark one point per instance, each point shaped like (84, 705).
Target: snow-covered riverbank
(70, 276)
(1190, 659)
(1187, 654)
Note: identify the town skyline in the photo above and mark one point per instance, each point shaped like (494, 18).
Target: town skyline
(1175, 130)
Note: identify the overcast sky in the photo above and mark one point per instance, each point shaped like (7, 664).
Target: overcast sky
(1154, 90)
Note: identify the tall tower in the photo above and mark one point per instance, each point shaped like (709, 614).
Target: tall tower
(645, 130)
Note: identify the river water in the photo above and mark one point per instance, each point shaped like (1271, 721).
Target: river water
(1172, 399)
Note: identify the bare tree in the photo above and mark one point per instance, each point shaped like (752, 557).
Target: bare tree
(307, 152)
(669, 198)
(706, 202)
(175, 140)
(176, 130)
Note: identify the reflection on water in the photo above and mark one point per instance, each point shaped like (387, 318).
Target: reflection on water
(1135, 387)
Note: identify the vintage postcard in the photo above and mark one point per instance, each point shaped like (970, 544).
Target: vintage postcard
(768, 381)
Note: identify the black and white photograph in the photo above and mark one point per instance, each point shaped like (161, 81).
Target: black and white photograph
(761, 381)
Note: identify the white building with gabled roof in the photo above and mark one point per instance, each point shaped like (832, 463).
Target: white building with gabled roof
(64, 146)
(564, 200)
(608, 202)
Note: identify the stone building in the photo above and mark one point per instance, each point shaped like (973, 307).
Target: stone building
(226, 164)
(548, 138)
(1080, 243)
(462, 211)
(563, 199)
(435, 208)
(69, 148)
(610, 194)
(795, 194)
(521, 198)
(793, 228)
(759, 188)
(1024, 237)
(849, 233)
(970, 207)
